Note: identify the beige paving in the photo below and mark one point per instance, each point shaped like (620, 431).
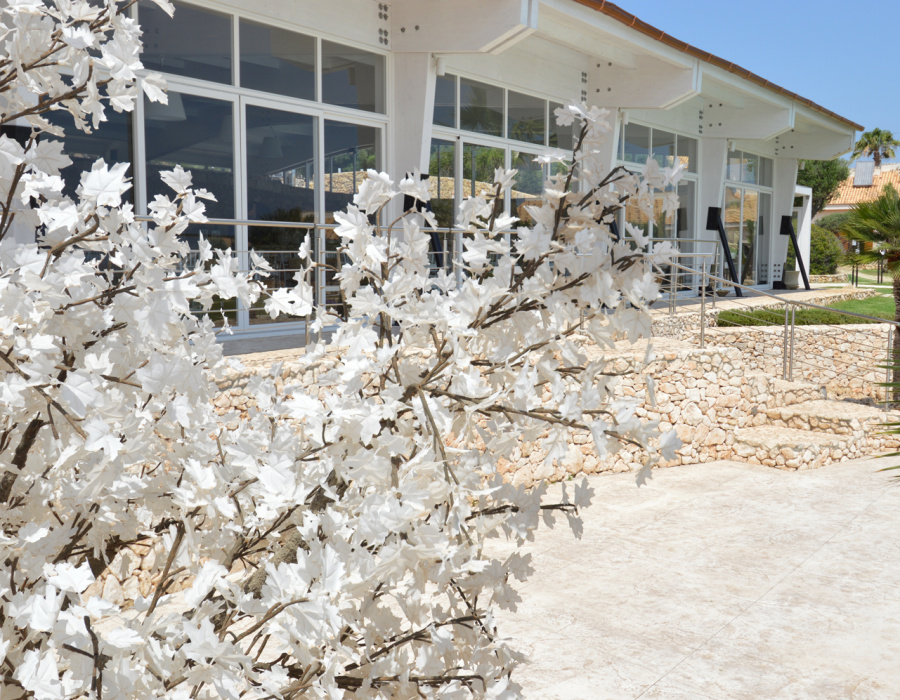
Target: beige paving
(719, 580)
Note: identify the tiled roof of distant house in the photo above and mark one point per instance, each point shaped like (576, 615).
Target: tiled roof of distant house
(848, 194)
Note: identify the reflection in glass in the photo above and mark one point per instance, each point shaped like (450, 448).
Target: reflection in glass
(636, 146)
(280, 187)
(526, 117)
(560, 136)
(442, 169)
(112, 141)
(763, 237)
(635, 216)
(279, 61)
(731, 217)
(350, 150)
(765, 172)
(479, 163)
(733, 170)
(445, 101)
(664, 148)
(196, 133)
(352, 77)
(195, 42)
(684, 231)
(481, 107)
(748, 237)
(527, 186)
(749, 168)
(687, 153)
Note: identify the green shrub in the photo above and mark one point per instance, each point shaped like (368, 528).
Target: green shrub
(772, 317)
(825, 252)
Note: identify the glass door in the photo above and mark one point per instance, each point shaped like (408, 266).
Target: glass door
(749, 221)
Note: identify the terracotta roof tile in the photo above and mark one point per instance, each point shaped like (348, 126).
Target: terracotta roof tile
(847, 194)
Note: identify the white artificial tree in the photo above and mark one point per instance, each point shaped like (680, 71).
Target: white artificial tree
(332, 544)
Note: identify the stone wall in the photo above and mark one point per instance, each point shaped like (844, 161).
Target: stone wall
(705, 395)
(844, 360)
(828, 279)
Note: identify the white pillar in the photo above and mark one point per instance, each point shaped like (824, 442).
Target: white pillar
(804, 225)
(412, 113)
(785, 182)
(713, 157)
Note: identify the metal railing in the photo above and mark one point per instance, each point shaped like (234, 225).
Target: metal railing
(853, 364)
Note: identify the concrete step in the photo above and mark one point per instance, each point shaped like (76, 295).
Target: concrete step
(789, 448)
(825, 416)
(767, 389)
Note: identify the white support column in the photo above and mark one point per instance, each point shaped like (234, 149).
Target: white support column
(713, 157)
(804, 225)
(608, 151)
(785, 183)
(412, 113)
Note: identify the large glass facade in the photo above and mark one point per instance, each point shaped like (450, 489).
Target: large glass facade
(303, 153)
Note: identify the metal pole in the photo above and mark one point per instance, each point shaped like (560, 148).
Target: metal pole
(784, 360)
(793, 324)
(887, 369)
(671, 290)
(703, 308)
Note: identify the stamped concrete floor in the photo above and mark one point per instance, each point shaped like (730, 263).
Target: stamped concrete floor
(719, 580)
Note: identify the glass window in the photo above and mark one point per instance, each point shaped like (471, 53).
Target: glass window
(479, 163)
(526, 117)
(442, 169)
(663, 148)
(280, 187)
(636, 143)
(279, 61)
(195, 42)
(750, 169)
(352, 77)
(731, 217)
(733, 171)
(112, 141)
(560, 136)
(687, 153)
(350, 150)
(197, 134)
(527, 186)
(481, 108)
(765, 172)
(445, 101)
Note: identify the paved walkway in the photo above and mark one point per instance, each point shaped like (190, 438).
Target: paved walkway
(723, 581)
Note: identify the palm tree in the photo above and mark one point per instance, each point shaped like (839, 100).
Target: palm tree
(877, 142)
(878, 222)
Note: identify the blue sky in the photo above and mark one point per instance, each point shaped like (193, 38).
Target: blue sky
(841, 55)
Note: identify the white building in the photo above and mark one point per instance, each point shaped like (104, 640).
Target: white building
(277, 106)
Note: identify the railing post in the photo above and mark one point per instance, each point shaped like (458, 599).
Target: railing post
(793, 325)
(887, 369)
(671, 290)
(703, 307)
(784, 360)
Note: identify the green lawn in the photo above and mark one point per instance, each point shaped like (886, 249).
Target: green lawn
(881, 306)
